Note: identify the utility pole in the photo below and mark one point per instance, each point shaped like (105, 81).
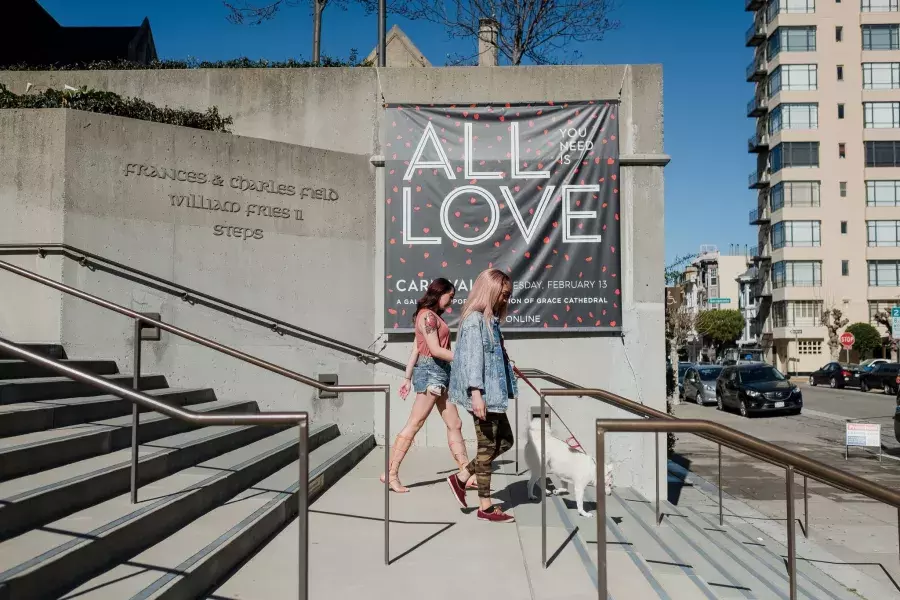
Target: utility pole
(317, 31)
(382, 42)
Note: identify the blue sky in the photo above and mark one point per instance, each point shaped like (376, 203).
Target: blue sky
(700, 46)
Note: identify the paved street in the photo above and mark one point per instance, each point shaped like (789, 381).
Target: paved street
(851, 527)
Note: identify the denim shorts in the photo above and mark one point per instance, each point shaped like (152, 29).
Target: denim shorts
(431, 375)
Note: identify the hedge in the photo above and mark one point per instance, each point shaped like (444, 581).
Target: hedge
(110, 103)
(190, 63)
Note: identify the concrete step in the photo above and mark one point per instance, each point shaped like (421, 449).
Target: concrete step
(192, 561)
(38, 499)
(723, 569)
(51, 388)
(673, 569)
(52, 560)
(54, 351)
(27, 417)
(33, 452)
(20, 369)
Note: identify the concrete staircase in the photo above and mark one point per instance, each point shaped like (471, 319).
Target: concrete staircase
(209, 497)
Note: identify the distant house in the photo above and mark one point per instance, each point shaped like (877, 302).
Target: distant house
(40, 40)
(401, 52)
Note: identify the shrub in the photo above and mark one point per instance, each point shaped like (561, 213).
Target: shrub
(191, 63)
(867, 338)
(110, 103)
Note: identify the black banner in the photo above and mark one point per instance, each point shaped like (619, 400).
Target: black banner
(531, 189)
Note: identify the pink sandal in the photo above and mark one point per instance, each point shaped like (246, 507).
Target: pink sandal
(401, 446)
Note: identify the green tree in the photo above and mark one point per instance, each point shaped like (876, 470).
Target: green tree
(867, 338)
(723, 327)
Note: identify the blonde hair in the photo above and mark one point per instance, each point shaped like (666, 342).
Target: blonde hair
(485, 294)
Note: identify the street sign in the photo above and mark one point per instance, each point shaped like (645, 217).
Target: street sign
(895, 322)
(862, 435)
(720, 300)
(847, 340)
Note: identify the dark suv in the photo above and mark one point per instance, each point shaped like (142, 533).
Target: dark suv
(757, 388)
(881, 377)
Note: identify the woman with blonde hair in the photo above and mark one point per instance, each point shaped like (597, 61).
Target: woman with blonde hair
(428, 370)
(482, 382)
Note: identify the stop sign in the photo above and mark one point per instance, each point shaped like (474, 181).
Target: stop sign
(847, 340)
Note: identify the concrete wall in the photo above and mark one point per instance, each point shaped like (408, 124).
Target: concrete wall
(327, 273)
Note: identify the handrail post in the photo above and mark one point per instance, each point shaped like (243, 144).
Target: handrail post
(805, 509)
(721, 516)
(135, 415)
(303, 510)
(656, 447)
(601, 516)
(543, 482)
(791, 533)
(387, 477)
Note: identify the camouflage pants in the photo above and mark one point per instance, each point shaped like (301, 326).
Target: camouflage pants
(495, 437)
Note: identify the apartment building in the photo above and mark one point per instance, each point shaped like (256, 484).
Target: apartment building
(827, 144)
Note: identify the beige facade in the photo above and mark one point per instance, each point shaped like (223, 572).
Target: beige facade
(827, 110)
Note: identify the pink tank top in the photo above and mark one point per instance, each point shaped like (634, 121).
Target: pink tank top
(425, 319)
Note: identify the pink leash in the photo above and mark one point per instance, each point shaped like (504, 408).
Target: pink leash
(572, 441)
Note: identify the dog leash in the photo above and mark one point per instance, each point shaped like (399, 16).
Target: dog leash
(572, 442)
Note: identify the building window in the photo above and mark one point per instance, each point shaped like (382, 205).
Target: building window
(843, 227)
(883, 273)
(843, 189)
(883, 233)
(881, 76)
(795, 154)
(776, 7)
(804, 313)
(883, 193)
(839, 34)
(840, 72)
(713, 276)
(881, 115)
(842, 150)
(845, 268)
(809, 346)
(795, 273)
(877, 37)
(879, 5)
(791, 39)
(796, 234)
(883, 154)
(880, 306)
(793, 78)
(840, 111)
(794, 116)
(794, 194)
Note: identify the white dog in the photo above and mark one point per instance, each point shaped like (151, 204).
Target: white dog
(572, 467)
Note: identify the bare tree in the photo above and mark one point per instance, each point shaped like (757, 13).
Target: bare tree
(542, 31)
(681, 327)
(833, 320)
(884, 319)
(254, 14)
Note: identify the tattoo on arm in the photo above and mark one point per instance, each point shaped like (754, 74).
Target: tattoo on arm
(430, 322)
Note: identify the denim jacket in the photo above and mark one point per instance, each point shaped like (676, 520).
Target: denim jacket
(480, 362)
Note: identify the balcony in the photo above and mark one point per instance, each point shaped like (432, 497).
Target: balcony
(754, 5)
(758, 68)
(760, 253)
(758, 106)
(756, 34)
(760, 217)
(758, 143)
(757, 180)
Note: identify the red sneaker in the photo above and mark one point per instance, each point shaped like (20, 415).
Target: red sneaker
(495, 516)
(458, 489)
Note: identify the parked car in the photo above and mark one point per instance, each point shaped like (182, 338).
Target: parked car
(882, 376)
(868, 365)
(837, 375)
(700, 383)
(757, 388)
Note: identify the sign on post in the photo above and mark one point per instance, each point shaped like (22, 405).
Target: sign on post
(862, 435)
(847, 340)
(895, 322)
(720, 300)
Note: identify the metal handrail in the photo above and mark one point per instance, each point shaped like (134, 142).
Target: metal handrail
(191, 296)
(142, 321)
(722, 433)
(140, 399)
